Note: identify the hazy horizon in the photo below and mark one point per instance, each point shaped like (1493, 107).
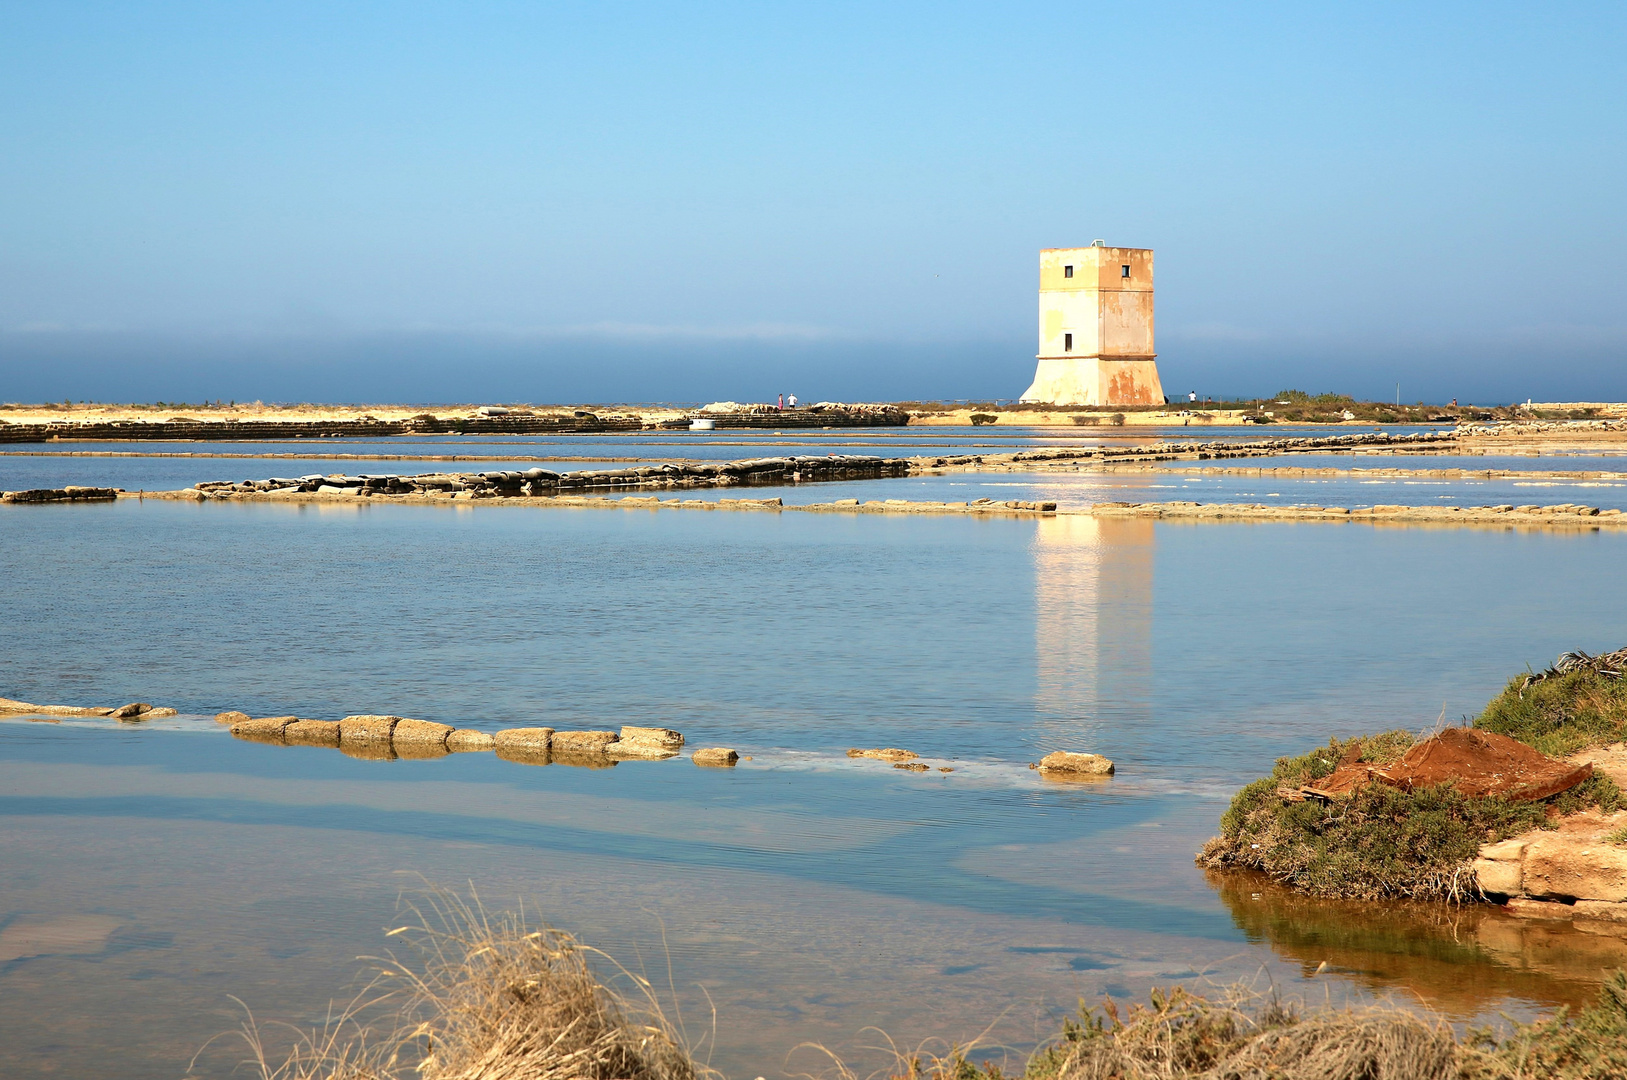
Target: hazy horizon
(640, 203)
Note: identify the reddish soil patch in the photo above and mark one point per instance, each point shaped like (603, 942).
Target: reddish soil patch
(1481, 763)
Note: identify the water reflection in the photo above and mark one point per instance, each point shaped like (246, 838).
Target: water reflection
(1463, 961)
(1092, 625)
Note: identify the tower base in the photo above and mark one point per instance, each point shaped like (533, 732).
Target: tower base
(1090, 380)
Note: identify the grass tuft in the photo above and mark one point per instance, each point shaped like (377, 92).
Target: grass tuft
(485, 998)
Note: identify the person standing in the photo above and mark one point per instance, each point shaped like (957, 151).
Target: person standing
(781, 405)
(791, 400)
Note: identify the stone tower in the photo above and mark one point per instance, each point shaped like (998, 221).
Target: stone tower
(1095, 328)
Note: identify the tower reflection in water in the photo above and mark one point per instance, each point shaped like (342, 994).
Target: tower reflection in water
(1093, 627)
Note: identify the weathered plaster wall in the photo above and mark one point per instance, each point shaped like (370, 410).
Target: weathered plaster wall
(1110, 317)
(1089, 380)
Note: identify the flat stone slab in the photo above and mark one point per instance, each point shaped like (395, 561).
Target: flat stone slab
(467, 740)
(660, 736)
(715, 757)
(583, 742)
(416, 732)
(1067, 761)
(890, 753)
(265, 729)
(530, 740)
(357, 730)
(312, 733)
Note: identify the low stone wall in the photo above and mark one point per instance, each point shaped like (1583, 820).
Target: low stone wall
(63, 494)
(562, 422)
(545, 482)
(1560, 514)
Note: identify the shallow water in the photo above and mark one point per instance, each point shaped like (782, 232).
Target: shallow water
(809, 894)
(1179, 481)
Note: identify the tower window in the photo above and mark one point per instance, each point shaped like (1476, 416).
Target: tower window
(1124, 271)
(1067, 271)
(1067, 339)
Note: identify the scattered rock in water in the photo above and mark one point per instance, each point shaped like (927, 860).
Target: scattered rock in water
(622, 750)
(525, 738)
(583, 742)
(364, 730)
(912, 766)
(419, 734)
(945, 768)
(715, 756)
(264, 729)
(666, 738)
(230, 717)
(133, 711)
(1065, 762)
(892, 753)
(468, 740)
(312, 733)
(525, 746)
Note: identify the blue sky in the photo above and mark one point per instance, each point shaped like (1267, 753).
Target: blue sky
(598, 202)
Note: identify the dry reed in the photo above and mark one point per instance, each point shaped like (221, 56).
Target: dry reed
(488, 998)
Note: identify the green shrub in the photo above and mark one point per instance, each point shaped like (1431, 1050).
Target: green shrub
(1562, 715)
(1380, 842)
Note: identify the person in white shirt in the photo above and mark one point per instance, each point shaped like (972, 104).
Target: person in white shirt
(791, 400)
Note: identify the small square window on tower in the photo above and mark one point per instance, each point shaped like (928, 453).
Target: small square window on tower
(1124, 270)
(1067, 341)
(1067, 271)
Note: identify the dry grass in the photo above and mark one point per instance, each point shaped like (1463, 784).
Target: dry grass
(1246, 1035)
(484, 998)
(491, 999)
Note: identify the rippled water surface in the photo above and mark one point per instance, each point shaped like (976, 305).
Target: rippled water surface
(810, 895)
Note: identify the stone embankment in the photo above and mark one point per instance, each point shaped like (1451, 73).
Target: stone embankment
(1528, 427)
(535, 483)
(489, 421)
(1557, 515)
(1416, 442)
(63, 494)
(820, 415)
(1363, 472)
